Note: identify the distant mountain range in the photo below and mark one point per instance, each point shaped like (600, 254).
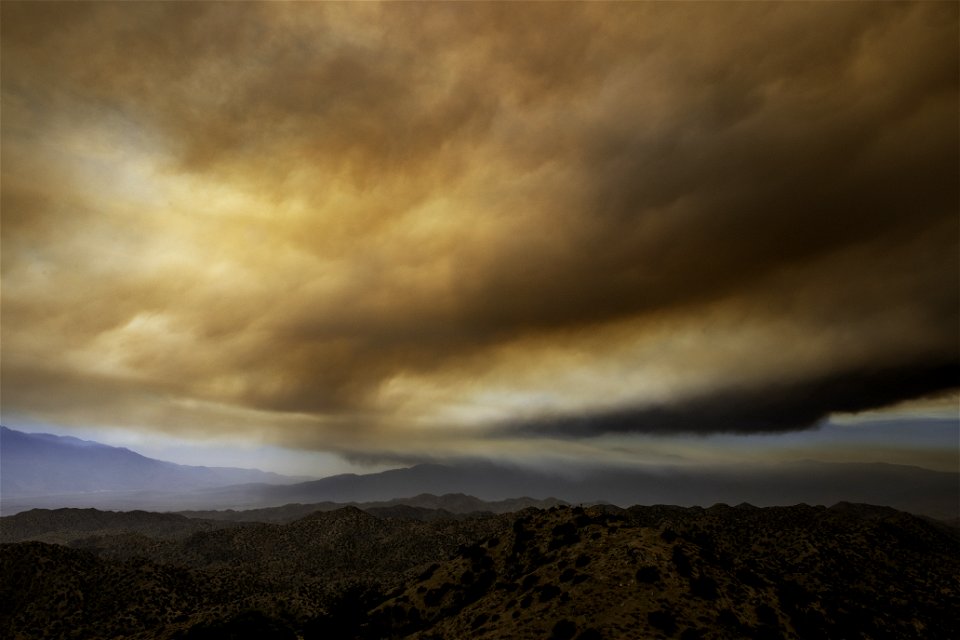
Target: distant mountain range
(43, 471)
(42, 464)
(911, 489)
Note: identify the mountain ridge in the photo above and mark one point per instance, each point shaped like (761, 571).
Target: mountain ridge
(44, 464)
(66, 525)
(922, 491)
(933, 493)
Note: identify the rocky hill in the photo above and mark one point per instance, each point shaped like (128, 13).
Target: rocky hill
(425, 506)
(342, 545)
(850, 571)
(52, 591)
(661, 572)
(203, 575)
(65, 525)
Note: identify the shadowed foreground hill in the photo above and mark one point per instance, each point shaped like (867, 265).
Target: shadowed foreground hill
(652, 572)
(65, 525)
(166, 584)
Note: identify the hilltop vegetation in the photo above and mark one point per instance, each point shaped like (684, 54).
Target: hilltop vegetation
(797, 572)
(601, 572)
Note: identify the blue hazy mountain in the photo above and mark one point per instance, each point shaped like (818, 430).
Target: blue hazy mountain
(41, 470)
(908, 488)
(42, 464)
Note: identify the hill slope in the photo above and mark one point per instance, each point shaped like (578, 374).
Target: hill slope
(165, 586)
(659, 572)
(63, 526)
(851, 571)
(425, 506)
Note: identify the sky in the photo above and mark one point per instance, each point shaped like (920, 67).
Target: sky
(318, 238)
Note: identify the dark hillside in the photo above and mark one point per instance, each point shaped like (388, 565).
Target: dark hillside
(64, 525)
(850, 571)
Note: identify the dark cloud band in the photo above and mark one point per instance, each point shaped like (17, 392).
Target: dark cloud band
(769, 409)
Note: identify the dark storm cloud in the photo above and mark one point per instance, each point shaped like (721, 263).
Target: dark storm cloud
(408, 191)
(771, 409)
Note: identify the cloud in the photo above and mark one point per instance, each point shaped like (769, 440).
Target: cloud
(770, 409)
(352, 222)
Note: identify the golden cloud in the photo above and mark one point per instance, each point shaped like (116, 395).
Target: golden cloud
(357, 224)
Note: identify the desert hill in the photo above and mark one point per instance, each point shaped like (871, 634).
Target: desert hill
(52, 591)
(292, 571)
(68, 524)
(65, 525)
(658, 572)
(425, 506)
(851, 571)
